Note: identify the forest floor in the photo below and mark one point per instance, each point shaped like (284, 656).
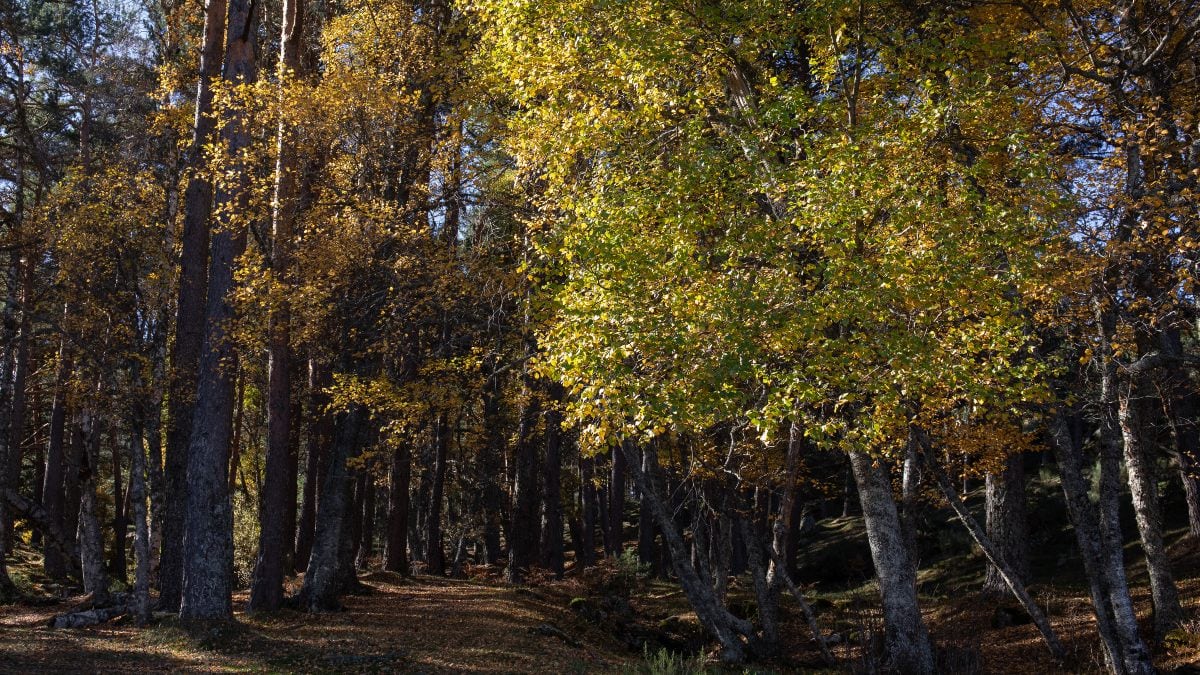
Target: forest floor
(431, 625)
(599, 620)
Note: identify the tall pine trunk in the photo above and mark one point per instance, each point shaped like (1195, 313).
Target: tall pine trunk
(266, 592)
(588, 508)
(208, 523)
(91, 542)
(53, 496)
(190, 310)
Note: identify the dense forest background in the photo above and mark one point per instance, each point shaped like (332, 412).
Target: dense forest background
(839, 322)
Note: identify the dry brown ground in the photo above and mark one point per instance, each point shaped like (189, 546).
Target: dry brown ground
(427, 625)
(430, 625)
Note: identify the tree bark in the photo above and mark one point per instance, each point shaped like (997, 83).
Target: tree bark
(616, 502)
(266, 592)
(647, 555)
(1143, 489)
(322, 587)
(91, 543)
(523, 532)
(316, 461)
(588, 507)
(117, 565)
(709, 610)
(21, 366)
(1125, 653)
(552, 512)
(52, 490)
(366, 546)
(1007, 527)
(208, 524)
(435, 554)
(396, 555)
(906, 639)
(190, 309)
(996, 558)
(141, 526)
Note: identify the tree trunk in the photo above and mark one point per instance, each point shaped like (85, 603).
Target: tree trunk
(781, 534)
(208, 524)
(117, 567)
(552, 512)
(52, 491)
(588, 507)
(291, 507)
(435, 555)
(523, 532)
(8, 479)
(190, 309)
(321, 580)
(366, 546)
(91, 543)
(1125, 653)
(616, 502)
(141, 527)
(1144, 490)
(647, 555)
(1006, 524)
(906, 640)
(709, 610)
(266, 593)
(396, 556)
(995, 556)
(316, 462)
(16, 431)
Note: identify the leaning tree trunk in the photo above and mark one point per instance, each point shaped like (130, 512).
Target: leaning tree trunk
(190, 308)
(1143, 488)
(1124, 651)
(996, 557)
(1004, 507)
(713, 615)
(906, 639)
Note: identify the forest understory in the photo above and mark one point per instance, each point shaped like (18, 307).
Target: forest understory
(480, 624)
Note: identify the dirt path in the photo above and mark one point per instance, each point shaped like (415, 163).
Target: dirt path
(427, 625)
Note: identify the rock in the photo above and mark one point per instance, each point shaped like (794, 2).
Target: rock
(550, 630)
